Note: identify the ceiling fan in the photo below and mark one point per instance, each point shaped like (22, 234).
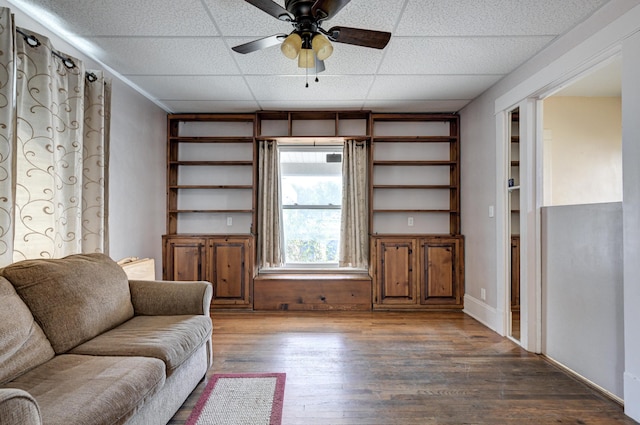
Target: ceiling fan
(308, 41)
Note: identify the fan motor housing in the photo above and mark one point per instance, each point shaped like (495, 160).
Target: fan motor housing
(299, 8)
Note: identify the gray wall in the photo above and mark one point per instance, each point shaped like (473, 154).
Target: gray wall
(582, 290)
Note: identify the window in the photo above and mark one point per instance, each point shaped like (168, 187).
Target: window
(311, 204)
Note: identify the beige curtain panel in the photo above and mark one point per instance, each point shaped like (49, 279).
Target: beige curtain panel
(270, 236)
(53, 150)
(354, 243)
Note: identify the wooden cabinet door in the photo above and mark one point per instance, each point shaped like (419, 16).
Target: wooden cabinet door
(395, 271)
(229, 262)
(183, 259)
(441, 280)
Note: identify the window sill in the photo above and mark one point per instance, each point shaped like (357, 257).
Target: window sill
(312, 270)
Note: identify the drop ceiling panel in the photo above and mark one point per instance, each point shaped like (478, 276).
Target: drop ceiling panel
(463, 55)
(430, 87)
(131, 18)
(192, 87)
(166, 56)
(329, 88)
(311, 105)
(239, 18)
(378, 15)
(211, 106)
(415, 105)
(493, 17)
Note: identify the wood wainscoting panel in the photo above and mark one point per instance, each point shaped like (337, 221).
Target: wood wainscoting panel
(348, 291)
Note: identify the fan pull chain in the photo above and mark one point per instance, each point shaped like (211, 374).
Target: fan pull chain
(306, 77)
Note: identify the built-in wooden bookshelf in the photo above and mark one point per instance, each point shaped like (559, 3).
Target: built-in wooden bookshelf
(414, 202)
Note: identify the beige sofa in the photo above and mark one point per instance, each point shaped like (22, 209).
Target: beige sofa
(81, 344)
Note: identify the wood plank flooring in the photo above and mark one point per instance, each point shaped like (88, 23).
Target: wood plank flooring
(422, 368)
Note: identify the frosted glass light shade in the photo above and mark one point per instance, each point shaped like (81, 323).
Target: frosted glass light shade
(322, 46)
(291, 46)
(306, 59)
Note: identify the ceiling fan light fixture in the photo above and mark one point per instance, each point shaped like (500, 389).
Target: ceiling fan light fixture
(321, 46)
(291, 45)
(306, 59)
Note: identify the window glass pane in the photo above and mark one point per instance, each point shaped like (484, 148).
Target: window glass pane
(311, 198)
(311, 236)
(311, 190)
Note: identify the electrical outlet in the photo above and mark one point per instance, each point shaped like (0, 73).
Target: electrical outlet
(229, 221)
(410, 221)
(483, 294)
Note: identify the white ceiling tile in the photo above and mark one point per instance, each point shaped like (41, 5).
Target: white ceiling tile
(239, 18)
(311, 105)
(329, 88)
(415, 105)
(378, 15)
(459, 55)
(211, 106)
(219, 87)
(166, 56)
(493, 17)
(131, 18)
(430, 87)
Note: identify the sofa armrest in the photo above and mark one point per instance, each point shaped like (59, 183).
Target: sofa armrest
(169, 298)
(18, 407)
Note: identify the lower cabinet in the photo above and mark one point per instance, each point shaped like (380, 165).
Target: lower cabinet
(225, 261)
(418, 272)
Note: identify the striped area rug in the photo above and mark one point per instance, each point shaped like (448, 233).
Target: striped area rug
(240, 399)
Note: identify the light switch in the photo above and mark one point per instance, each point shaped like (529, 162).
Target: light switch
(491, 211)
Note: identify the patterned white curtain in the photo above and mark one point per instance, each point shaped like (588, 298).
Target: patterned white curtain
(270, 236)
(354, 228)
(7, 135)
(58, 170)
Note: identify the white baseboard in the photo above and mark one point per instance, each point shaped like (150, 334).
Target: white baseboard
(585, 380)
(483, 313)
(632, 396)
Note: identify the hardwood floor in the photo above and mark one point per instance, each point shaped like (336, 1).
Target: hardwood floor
(400, 368)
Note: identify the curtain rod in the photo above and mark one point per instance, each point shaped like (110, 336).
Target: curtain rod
(33, 41)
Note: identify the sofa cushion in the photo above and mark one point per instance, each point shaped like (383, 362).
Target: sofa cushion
(23, 345)
(18, 407)
(74, 298)
(80, 390)
(171, 339)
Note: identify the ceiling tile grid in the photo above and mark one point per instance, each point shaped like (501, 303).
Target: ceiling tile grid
(442, 53)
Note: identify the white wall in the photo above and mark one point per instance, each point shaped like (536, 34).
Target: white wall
(597, 37)
(582, 287)
(137, 161)
(631, 221)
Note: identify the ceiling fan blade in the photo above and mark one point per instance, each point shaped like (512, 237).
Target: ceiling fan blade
(359, 37)
(272, 8)
(261, 43)
(327, 9)
(319, 66)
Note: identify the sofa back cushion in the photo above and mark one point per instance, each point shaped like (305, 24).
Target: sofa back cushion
(23, 345)
(74, 298)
